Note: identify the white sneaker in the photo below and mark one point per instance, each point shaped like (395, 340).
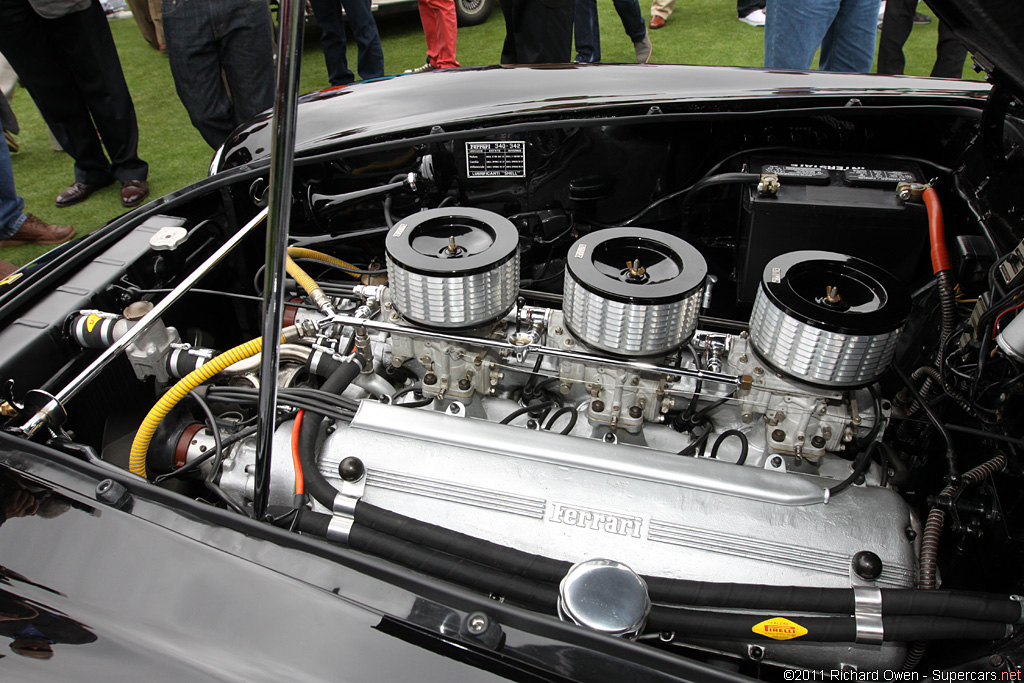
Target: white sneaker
(755, 18)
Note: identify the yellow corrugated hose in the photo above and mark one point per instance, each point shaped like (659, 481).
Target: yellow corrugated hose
(143, 437)
(300, 252)
(140, 446)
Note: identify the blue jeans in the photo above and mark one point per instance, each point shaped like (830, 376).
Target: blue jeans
(845, 29)
(588, 33)
(11, 205)
(207, 37)
(332, 40)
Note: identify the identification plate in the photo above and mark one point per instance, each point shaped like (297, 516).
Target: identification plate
(496, 159)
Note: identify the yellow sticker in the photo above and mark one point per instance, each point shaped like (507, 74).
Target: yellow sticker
(779, 629)
(11, 278)
(91, 321)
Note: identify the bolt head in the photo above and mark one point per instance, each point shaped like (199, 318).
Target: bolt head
(776, 461)
(778, 435)
(477, 623)
(597, 406)
(430, 378)
(635, 412)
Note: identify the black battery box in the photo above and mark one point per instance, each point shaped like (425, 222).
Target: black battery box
(848, 207)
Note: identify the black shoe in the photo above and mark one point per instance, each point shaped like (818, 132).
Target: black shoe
(922, 18)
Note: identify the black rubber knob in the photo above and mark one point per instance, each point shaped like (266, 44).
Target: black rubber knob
(351, 469)
(867, 565)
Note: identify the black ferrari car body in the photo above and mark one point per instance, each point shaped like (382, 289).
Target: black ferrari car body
(585, 373)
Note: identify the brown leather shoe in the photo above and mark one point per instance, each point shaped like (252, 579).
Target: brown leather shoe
(657, 22)
(75, 193)
(35, 231)
(133, 192)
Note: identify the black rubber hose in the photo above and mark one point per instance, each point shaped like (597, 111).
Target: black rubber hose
(567, 410)
(315, 482)
(744, 444)
(947, 303)
(951, 466)
(860, 466)
(516, 562)
(843, 629)
(543, 405)
(895, 601)
(455, 569)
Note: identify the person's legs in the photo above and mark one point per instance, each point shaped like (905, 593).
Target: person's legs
(195, 65)
(849, 45)
(631, 17)
(158, 23)
(332, 40)
(541, 33)
(509, 55)
(247, 56)
(440, 28)
(92, 55)
(12, 207)
(794, 30)
(949, 55)
(364, 28)
(745, 7)
(586, 32)
(662, 8)
(46, 71)
(144, 20)
(896, 25)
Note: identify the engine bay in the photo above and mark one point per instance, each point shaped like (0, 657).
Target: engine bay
(771, 352)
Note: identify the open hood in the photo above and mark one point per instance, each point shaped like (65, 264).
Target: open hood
(991, 30)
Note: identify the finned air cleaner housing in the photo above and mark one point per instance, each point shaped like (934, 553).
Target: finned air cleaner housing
(828, 319)
(453, 268)
(632, 291)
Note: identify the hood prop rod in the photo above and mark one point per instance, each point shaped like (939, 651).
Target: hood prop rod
(290, 17)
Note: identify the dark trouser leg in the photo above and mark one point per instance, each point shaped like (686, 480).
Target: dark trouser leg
(364, 28)
(45, 70)
(745, 7)
(542, 34)
(896, 26)
(195, 65)
(508, 48)
(632, 19)
(97, 70)
(332, 40)
(587, 32)
(247, 57)
(949, 55)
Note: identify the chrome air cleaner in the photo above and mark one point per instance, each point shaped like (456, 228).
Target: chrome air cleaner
(828, 319)
(453, 268)
(632, 291)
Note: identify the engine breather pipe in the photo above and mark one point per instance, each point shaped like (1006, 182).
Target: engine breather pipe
(895, 601)
(171, 398)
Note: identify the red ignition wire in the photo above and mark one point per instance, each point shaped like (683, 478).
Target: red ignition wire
(936, 231)
(300, 486)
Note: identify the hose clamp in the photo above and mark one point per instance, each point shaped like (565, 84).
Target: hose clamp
(339, 528)
(1020, 601)
(867, 613)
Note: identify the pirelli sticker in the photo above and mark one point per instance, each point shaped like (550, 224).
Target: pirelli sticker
(779, 629)
(499, 159)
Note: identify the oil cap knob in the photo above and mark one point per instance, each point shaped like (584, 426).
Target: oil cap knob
(606, 596)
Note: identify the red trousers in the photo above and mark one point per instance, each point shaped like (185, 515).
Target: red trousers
(441, 30)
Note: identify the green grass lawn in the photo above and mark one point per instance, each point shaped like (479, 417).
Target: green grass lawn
(699, 32)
